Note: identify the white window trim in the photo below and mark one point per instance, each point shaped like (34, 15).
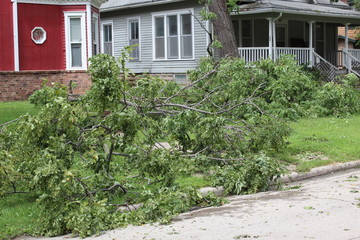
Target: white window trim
(128, 35)
(95, 15)
(103, 23)
(67, 16)
(178, 13)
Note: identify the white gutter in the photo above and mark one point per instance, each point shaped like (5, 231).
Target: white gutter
(317, 14)
(16, 36)
(278, 17)
(89, 33)
(114, 8)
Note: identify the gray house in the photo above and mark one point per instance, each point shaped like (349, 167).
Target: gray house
(171, 39)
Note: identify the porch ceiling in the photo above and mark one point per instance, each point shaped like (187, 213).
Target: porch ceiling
(299, 11)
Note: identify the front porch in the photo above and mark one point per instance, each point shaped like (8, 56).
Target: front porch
(311, 35)
(348, 60)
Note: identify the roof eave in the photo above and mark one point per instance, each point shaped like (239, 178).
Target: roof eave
(137, 5)
(315, 14)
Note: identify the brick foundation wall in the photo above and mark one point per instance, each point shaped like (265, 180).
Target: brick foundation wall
(18, 86)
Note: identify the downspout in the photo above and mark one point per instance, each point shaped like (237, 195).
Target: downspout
(16, 35)
(270, 38)
(89, 32)
(274, 35)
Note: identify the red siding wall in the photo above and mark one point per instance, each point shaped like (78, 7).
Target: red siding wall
(6, 40)
(50, 54)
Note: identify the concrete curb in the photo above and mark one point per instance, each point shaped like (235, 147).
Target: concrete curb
(319, 171)
(294, 176)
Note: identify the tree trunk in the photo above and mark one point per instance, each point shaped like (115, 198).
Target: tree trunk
(223, 28)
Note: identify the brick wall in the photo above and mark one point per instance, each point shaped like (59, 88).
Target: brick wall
(17, 86)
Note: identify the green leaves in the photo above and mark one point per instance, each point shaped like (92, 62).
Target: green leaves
(250, 176)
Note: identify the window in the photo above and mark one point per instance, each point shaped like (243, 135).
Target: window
(107, 38)
(95, 34)
(38, 35)
(75, 41)
(173, 36)
(134, 39)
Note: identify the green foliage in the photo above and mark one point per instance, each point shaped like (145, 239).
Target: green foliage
(169, 202)
(107, 89)
(333, 99)
(47, 93)
(250, 176)
(85, 158)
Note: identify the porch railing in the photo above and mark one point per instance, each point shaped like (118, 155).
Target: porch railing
(252, 54)
(302, 55)
(327, 70)
(355, 53)
(351, 62)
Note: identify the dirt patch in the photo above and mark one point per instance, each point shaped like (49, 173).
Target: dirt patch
(310, 156)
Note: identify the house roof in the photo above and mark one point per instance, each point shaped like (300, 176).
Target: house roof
(352, 34)
(319, 8)
(112, 5)
(96, 3)
(349, 39)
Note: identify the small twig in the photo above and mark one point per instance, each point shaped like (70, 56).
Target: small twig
(87, 192)
(121, 154)
(17, 192)
(7, 123)
(115, 186)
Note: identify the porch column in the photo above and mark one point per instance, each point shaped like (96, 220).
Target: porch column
(270, 38)
(347, 37)
(274, 39)
(347, 59)
(311, 42)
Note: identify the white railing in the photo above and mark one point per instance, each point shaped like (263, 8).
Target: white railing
(302, 55)
(327, 70)
(355, 53)
(351, 62)
(252, 54)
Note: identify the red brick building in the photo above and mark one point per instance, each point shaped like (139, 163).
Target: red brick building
(50, 39)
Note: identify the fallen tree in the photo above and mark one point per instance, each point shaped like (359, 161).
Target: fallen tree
(120, 145)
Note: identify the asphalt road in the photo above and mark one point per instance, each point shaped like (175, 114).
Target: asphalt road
(325, 208)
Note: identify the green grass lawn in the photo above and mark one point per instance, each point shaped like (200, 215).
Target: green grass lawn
(322, 141)
(12, 110)
(18, 215)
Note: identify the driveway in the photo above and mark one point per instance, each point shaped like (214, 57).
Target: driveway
(325, 208)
